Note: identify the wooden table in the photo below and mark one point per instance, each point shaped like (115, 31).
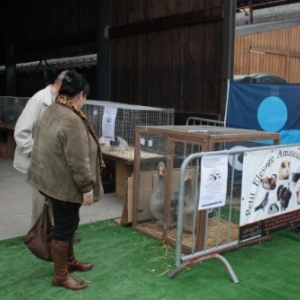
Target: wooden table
(124, 166)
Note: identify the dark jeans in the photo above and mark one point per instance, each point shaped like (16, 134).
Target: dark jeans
(66, 219)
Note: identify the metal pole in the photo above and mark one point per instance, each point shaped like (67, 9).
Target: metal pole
(103, 50)
(228, 50)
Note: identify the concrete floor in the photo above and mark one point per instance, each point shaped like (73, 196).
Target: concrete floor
(15, 203)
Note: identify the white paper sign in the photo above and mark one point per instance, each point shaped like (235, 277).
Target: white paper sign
(108, 122)
(213, 187)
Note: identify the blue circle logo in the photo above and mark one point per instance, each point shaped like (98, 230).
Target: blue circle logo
(272, 114)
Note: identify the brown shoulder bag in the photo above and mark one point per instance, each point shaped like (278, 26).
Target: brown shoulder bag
(38, 238)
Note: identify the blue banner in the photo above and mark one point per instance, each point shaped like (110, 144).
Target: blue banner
(267, 107)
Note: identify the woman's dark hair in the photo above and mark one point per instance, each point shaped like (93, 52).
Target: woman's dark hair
(74, 83)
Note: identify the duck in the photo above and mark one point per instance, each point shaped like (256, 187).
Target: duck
(188, 204)
(157, 200)
(188, 207)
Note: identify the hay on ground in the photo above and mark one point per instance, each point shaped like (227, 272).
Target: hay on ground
(219, 232)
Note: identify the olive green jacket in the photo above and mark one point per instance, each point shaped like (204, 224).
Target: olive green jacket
(64, 159)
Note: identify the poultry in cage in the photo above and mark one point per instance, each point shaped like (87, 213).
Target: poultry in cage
(119, 144)
(158, 197)
(188, 204)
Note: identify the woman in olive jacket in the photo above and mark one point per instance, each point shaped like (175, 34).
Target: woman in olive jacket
(65, 166)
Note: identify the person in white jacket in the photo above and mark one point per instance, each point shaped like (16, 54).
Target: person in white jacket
(23, 135)
(25, 125)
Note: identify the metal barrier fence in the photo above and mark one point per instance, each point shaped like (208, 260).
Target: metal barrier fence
(203, 121)
(214, 235)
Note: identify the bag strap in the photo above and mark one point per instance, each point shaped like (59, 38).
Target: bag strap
(47, 201)
(47, 198)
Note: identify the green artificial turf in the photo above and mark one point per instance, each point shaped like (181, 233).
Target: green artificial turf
(131, 265)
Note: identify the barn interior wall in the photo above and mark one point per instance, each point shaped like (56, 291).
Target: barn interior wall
(171, 67)
(176, 66)
(49, 29)
(41, 30)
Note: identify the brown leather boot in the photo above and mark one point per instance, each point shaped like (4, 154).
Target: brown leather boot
(75, 265)
(61, 276)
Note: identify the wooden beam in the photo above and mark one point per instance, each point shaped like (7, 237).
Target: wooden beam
(274, 51)
(189, 18)
(250, 11)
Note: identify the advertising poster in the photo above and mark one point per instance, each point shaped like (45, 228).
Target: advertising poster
(270, 192)
(213, 187)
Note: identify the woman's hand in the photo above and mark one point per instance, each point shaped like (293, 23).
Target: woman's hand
(88, 198)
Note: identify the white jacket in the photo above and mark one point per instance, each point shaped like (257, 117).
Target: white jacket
(24, 128)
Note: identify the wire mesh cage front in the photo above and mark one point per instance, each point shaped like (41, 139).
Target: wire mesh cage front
(127, 118)
(10, 109)
(119, 152)
(160, 152)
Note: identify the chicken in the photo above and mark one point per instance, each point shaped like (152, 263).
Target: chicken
(158, 198)
(118, 145)
(104, 142)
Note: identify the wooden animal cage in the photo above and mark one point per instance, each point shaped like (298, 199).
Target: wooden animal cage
(155, 193)
(10, 110)
(121, 149)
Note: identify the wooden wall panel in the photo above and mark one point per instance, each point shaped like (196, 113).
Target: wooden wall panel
(274, 51)
(177, 64)
(178, 67)
(131, 11)
(171, 68)
(267, 63)
(294, 68)
(176, 88)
